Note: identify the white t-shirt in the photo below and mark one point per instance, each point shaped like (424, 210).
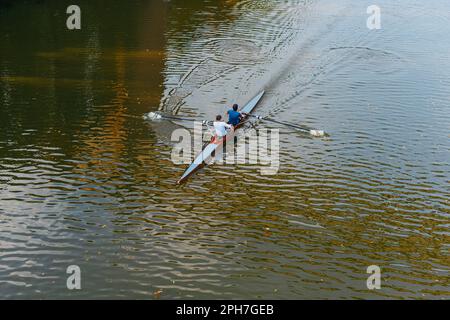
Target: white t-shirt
(221, 128)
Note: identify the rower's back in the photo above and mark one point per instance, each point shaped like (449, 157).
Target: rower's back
(234, 117)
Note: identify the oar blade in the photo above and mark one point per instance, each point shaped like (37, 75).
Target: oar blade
(152, 116)
(317, 133)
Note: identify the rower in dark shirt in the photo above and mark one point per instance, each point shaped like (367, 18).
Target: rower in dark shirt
(234, 116)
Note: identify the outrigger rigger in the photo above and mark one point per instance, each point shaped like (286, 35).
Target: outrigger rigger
(217, 141)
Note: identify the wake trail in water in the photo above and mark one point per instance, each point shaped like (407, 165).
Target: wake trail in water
(248, 54)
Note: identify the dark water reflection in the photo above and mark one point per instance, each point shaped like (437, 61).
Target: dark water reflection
(85, 180)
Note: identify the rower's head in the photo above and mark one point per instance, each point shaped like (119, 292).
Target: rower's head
(235, 107)
(218, 117)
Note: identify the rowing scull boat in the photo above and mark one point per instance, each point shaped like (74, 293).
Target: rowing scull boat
(215, 143)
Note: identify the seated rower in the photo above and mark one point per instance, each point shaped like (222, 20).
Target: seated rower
(234, 116)
(221, 127)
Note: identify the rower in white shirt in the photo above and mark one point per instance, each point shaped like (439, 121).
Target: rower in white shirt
(221, 127)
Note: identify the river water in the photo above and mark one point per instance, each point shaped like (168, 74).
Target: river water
(86, 181)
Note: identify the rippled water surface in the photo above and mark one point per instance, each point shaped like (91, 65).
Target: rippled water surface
(85, 180)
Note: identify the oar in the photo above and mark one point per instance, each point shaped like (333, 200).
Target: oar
(159, 116)
(313, 132)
